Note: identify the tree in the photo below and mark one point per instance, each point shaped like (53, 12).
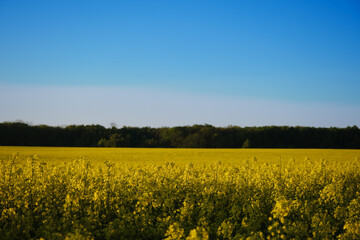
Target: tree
(246, 143)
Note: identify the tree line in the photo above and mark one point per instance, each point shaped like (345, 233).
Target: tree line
(196, 136)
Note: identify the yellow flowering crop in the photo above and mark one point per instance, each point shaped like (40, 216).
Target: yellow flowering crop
(94, 193)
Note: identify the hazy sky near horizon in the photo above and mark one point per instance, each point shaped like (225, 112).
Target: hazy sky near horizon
(167, 63)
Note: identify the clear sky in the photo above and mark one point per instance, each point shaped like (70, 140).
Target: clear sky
(167, 63)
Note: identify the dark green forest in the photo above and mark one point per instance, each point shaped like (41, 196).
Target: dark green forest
(196, 136)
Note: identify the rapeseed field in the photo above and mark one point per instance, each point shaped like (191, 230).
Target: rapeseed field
(102, 193)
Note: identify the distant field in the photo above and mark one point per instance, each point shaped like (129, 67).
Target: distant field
(54, 155)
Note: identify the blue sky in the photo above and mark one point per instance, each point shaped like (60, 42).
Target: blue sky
(166, 63)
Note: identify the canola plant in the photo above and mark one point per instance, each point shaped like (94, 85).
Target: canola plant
(310, 199)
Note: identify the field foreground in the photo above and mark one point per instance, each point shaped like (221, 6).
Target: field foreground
(92, 193)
